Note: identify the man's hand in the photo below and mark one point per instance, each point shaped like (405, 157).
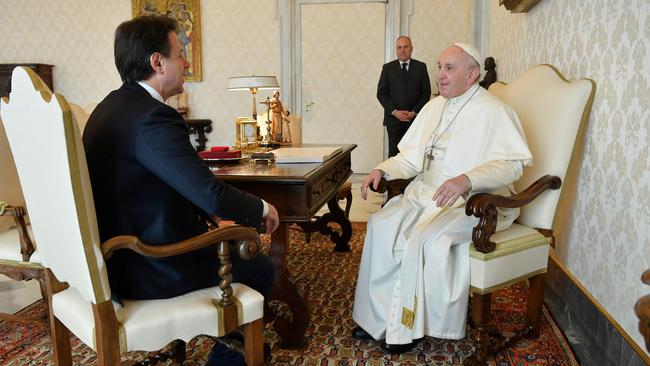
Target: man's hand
(402, 115)
(271, 221)
(450, 190)
(411, 115)
(372, 178)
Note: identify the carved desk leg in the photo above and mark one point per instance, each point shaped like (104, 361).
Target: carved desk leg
(290, 323)
(335, 215)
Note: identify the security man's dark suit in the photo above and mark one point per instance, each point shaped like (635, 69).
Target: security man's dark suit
(148, 181)
(402, 91)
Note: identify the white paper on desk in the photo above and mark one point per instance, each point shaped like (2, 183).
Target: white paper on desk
(304, 154)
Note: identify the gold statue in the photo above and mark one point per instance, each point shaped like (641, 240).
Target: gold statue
(286, 130)
(278, 114)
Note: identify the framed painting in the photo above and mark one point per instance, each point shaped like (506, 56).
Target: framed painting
(187, 13)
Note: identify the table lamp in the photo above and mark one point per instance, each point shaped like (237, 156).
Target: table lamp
(253, 83)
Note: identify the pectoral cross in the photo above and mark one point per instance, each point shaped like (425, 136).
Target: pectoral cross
(429, 157)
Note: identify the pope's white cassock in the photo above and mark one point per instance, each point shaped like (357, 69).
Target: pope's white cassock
(414, 273)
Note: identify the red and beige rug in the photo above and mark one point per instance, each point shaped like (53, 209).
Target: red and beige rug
(328, 279)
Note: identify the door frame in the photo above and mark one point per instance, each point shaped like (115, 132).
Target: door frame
(398, 13)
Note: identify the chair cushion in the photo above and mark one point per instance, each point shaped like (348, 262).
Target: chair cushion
(521, 252)
(149, 325)
(10, 246)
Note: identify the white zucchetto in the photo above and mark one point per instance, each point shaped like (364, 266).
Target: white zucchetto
(470, 50)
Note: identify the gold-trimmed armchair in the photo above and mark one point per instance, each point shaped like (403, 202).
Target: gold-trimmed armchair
(59, 198)
(19, 256)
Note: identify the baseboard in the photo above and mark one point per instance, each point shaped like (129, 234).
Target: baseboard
(596, 336)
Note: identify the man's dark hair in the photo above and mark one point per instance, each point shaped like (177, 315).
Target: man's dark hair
(136, 40)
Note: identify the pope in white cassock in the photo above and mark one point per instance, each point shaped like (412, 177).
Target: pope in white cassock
(414, 273)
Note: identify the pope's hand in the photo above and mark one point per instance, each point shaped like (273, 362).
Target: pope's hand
(451, 189)
(372, 178)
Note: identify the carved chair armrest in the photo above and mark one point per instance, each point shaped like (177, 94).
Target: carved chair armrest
(247, 239)
(394, 187)
(484, 206)
(18, 213)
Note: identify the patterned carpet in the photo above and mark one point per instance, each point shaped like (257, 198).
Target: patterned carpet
(328, 279)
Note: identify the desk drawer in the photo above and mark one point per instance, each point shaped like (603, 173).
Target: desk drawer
(325, 185)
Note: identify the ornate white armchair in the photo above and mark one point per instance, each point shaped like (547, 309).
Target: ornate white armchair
(553, 112)
(19, 256)
(58, 196)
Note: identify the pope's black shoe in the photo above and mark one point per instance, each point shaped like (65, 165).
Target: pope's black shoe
(398, 349)
(360, 333)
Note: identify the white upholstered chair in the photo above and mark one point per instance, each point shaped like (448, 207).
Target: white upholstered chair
(19, 256)
(59, 199)
(553, 112)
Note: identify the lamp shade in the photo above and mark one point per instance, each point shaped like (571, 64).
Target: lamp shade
(253, 81)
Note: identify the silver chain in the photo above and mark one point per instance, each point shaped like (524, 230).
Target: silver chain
(428, 152)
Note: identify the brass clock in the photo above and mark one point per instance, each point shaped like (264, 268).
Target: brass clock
(246, 134)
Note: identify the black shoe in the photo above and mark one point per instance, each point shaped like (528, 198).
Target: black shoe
(221, 355)
(398, 349)
(359, 333)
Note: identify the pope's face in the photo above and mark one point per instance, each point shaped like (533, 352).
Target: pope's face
(455, 75)
(403, 49)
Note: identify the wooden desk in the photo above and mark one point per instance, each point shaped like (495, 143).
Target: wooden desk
(298, 191)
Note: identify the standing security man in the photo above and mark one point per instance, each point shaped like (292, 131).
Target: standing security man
(403, 89)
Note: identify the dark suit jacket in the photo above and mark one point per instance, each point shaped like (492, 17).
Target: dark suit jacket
(148, 181)
(396, 92)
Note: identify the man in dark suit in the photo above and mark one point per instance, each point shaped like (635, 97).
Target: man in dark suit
(148, 181)
(404, 88)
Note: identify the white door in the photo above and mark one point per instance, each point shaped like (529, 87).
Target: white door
(341, 55)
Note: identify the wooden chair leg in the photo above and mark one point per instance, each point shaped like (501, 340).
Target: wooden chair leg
(43, 287)
(534, 306)
(59, 334)
(61, 349)
(480, 306)
(106, 332)
(254, 343)
(179, 352)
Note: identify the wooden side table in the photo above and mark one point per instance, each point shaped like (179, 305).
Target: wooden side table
(199, 127)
